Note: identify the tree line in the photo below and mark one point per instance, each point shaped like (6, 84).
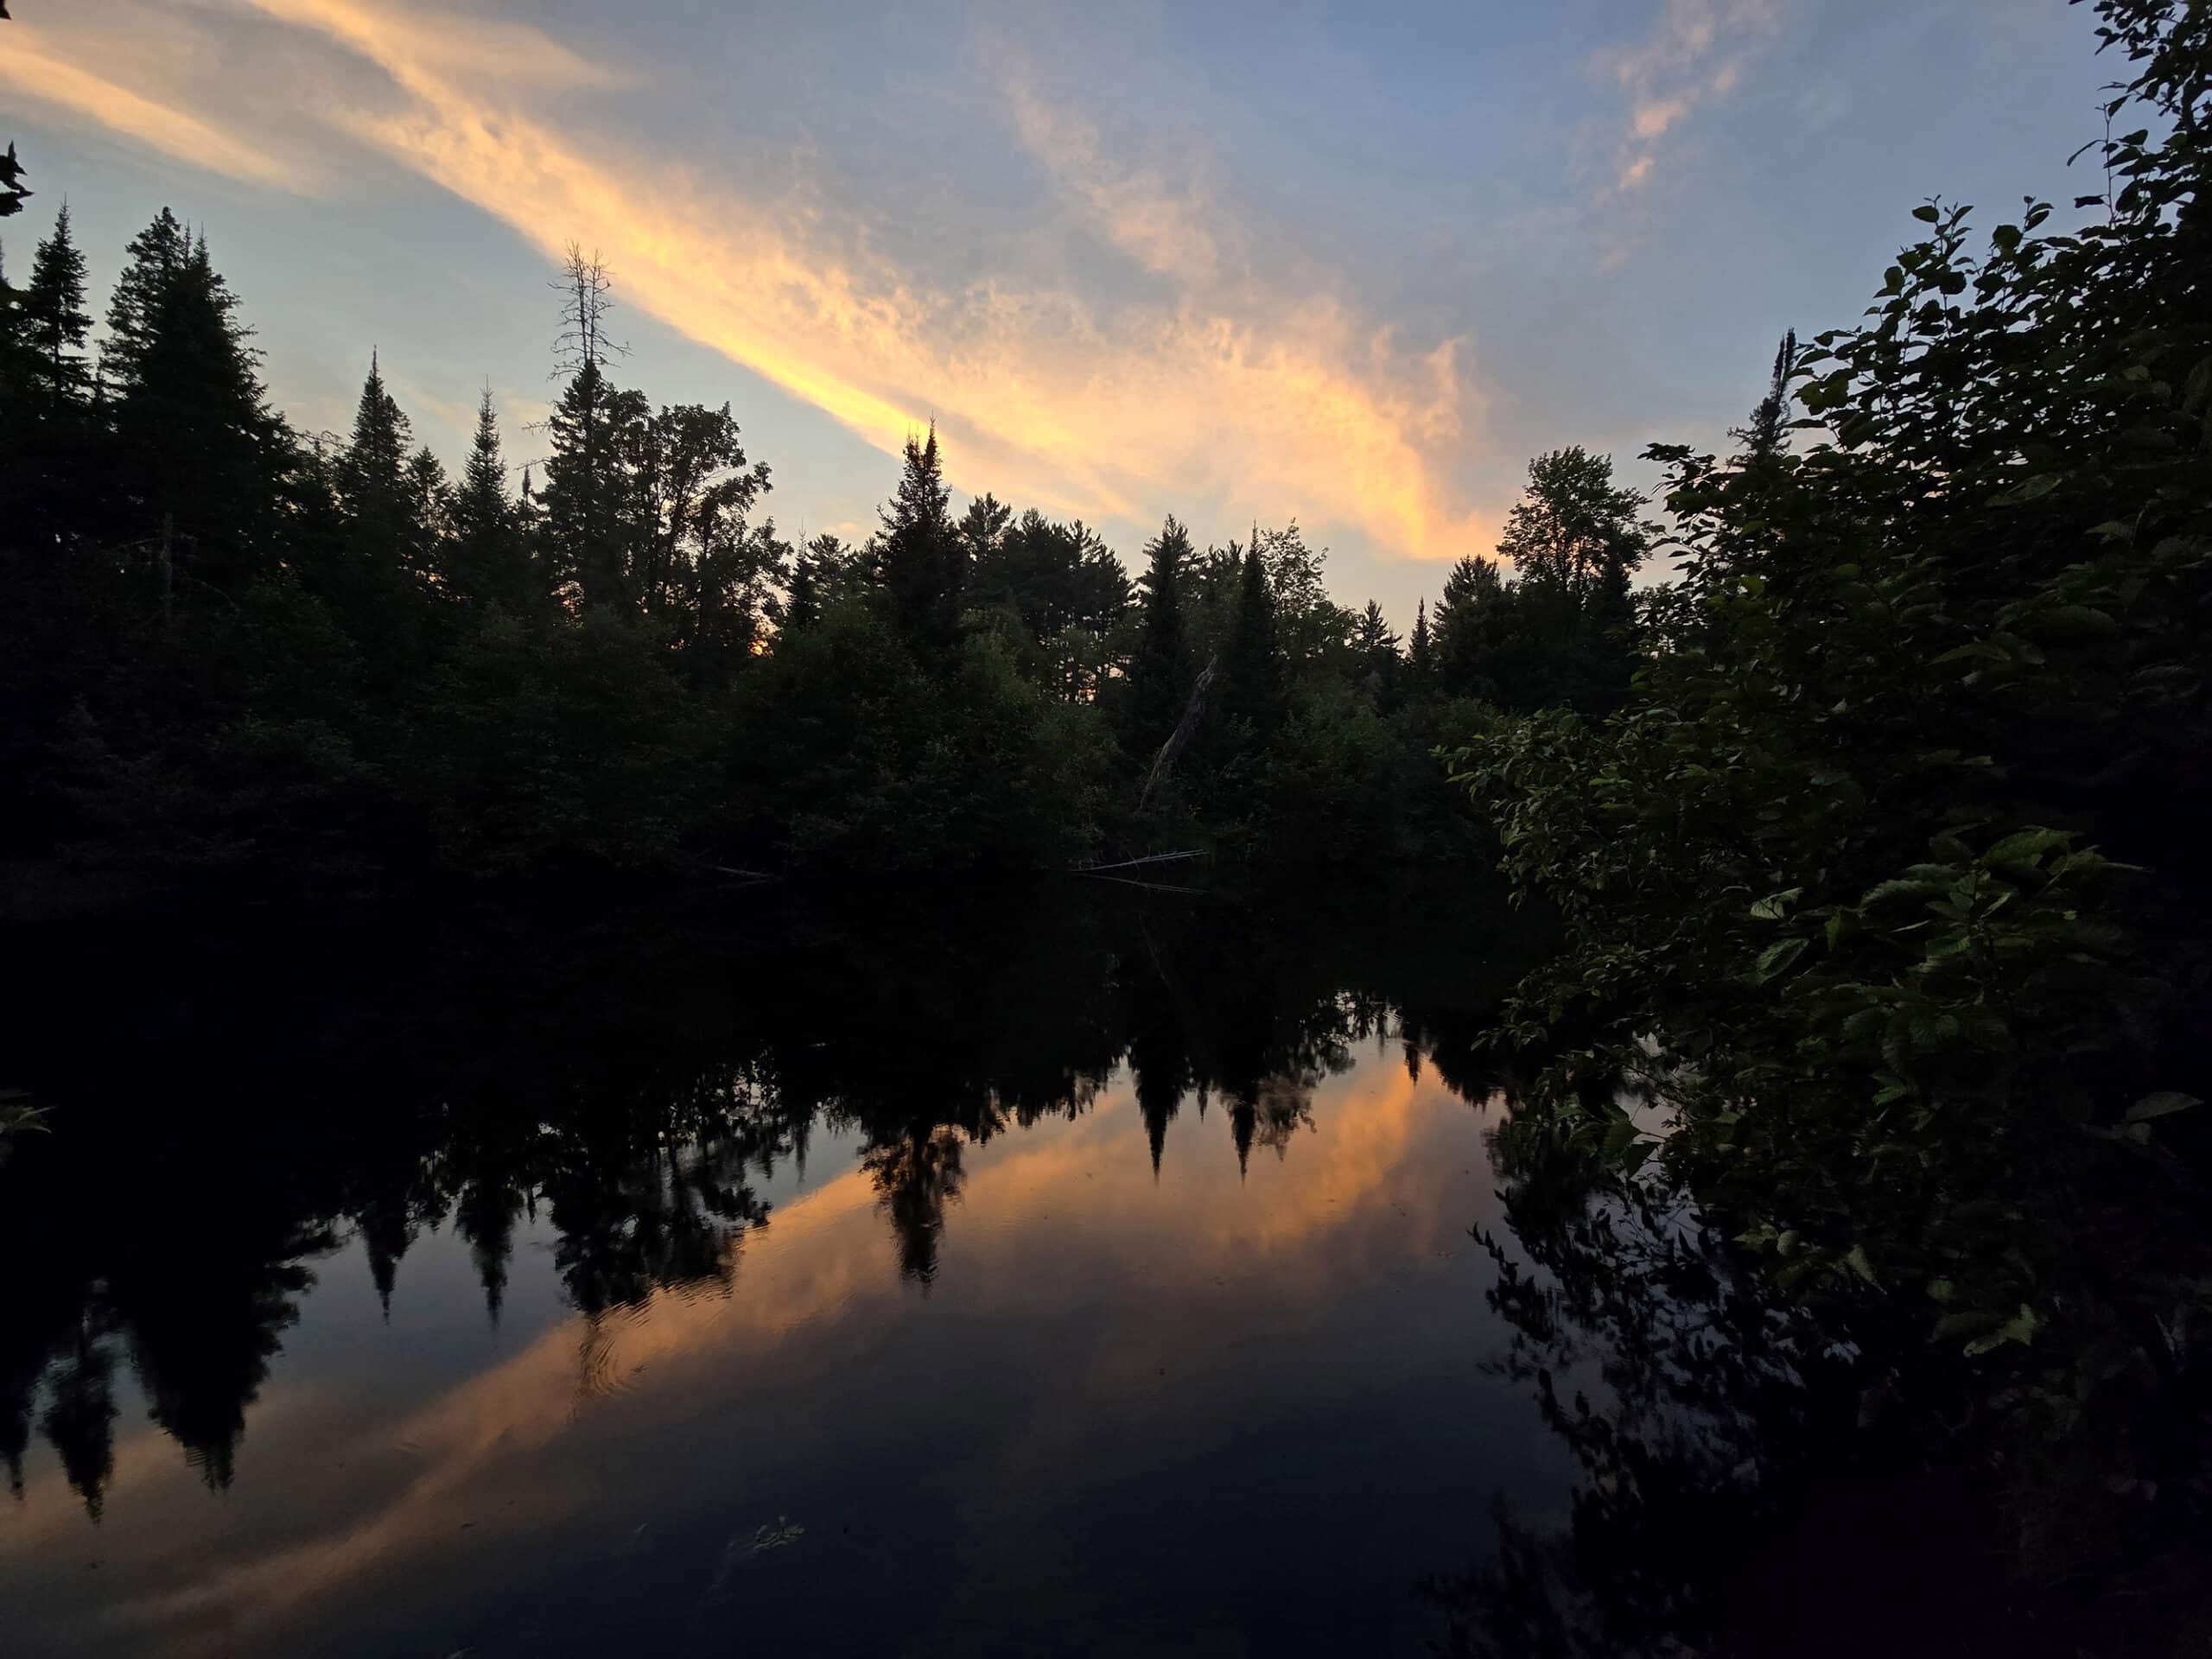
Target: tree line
(232, 642)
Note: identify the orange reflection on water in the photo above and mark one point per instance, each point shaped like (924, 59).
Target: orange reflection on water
(1379, 1174)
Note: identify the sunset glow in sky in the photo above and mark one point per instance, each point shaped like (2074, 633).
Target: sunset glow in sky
(1348, 262)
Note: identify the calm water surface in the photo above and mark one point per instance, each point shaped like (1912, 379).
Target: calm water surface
(948, 1276)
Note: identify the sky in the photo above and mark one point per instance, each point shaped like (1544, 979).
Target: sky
(1350, 263)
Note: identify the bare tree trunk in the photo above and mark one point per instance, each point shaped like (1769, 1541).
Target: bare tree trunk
(1193, 711)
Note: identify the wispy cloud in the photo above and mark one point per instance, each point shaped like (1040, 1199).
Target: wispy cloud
(1164, 227)
(32, 67)
(1220, 392)
(1695, 56)
(1238, 386)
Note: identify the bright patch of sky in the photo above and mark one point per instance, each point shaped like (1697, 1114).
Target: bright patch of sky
(1349, 263)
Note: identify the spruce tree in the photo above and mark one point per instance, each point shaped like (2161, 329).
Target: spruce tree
(1420, 652)
(1377, 647)
(49, 474)
(919, 554)
(1471, 623)
(426, 499)
(1159, 667)
(801, 606)
(198, 451)
(54, 322)
(590, 517)
(155, 256)
(487, 560)
(13, 193)
(822, 572)
(373, 473)
(1251, 668)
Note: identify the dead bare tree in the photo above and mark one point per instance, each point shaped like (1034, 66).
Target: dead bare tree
(587, 296)
(1193, 712)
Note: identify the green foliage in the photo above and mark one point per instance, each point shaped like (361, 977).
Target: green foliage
(851, 754)
(539, 747)
(1886, 871)
(54, 322)
(486, 558)
(1559, 633)
(919, 555)
(1160, 669)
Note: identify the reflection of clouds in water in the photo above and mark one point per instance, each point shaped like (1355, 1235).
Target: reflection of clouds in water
(480, 1451)
(534, 1247)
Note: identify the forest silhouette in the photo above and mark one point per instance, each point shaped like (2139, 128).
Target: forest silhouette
(633, 1088)
(1857, 1019)
(232, 645)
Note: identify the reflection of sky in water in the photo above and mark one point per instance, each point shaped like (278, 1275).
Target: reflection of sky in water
(1203, 1412)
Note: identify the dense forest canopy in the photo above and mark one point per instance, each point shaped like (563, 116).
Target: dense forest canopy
(1887, 877)
(233, 643)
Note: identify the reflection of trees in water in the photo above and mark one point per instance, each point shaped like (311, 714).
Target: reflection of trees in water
(632, 1106)
(1685, 1398)
(197, 1295)
(915, 1175)
(1268, 1113)
(80, 1417)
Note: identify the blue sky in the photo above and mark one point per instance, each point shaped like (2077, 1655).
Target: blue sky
(1349, 263)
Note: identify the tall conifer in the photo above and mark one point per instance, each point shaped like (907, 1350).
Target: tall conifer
(54, 322)
(919, 554)
(1159, 667)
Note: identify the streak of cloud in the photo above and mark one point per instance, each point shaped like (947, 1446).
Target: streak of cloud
(1226, 394)
(32, 68)
(1696, 56)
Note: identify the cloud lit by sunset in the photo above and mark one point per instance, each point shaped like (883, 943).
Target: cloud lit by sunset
(1113, 304)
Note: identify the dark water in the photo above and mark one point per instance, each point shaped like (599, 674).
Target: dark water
(1067, 1272)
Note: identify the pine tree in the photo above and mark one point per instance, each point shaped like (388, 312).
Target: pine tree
(54, 322)
(918, 553)
(983, 530)
(1159, 667)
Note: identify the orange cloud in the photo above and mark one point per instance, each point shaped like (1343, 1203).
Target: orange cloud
(1696, 55)
(1232, 396)
(1254, 403)
(28, 67)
